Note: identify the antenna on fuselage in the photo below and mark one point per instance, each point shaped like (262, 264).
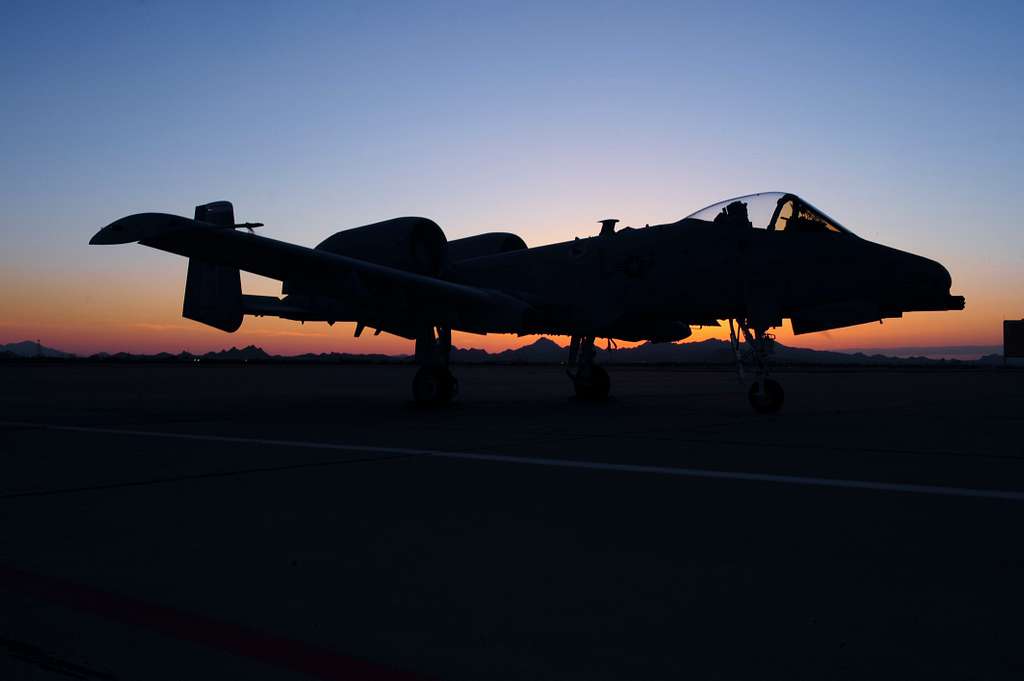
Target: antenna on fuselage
(608, 226)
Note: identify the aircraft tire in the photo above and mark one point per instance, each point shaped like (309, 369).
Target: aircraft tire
(434, 385)
(595, 387)
(767, 396)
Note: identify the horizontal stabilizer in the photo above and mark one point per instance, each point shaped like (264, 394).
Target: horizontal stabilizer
(141, 227)
(272, 306)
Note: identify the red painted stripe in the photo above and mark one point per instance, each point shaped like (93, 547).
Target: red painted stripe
(224, 636)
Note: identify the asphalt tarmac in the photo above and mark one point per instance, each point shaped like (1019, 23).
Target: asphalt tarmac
(290, 522)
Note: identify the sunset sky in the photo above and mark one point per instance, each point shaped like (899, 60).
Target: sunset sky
(902, 121)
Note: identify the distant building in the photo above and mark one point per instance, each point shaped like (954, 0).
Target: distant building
(1013, 338)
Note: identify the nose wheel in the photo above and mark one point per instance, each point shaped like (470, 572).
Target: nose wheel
(765, 394)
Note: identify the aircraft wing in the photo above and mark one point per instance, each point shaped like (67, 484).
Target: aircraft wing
(383, 291)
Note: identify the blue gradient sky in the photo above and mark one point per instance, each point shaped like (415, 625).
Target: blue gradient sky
(902, 121)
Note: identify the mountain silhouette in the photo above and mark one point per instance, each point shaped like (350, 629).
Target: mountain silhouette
(249, 352)
(32, 349)
(540, 351)
(710, 351)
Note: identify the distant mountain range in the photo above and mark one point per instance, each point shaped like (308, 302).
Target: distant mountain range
(31, 349)
(546, 351)
(933, 351)
(711, 351)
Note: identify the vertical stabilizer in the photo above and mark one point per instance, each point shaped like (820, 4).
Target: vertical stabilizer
(213, 293)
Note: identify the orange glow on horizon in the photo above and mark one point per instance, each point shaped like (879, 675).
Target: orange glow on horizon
(168, 332)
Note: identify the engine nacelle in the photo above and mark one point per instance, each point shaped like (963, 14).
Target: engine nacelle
(482, 245)
(411, 244)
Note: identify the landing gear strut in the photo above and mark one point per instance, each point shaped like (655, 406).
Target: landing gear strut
(765, 394)
(434, 383)
(590, 380)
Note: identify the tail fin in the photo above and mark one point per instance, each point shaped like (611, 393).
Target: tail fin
(217, 213)
(213, 293)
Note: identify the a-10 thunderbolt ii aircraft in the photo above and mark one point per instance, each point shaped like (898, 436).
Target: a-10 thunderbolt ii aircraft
(751, 261)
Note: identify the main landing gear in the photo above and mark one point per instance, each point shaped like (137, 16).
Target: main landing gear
(765, 394)
(590, 380)
(434, 383)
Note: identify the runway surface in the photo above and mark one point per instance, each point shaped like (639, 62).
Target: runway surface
(164, 522)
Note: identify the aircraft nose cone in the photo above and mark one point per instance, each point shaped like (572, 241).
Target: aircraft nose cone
(932, 274)
(924, 284)
(937, 275)
(947, 278)
(919, 274)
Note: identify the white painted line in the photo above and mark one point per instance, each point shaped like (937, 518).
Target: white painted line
(938, 490)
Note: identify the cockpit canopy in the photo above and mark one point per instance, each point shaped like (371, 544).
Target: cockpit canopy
(773, 211)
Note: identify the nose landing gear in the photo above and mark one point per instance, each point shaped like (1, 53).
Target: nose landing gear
(590, 381)
(765, 394)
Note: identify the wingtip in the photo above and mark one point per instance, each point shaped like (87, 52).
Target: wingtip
(116, 232)
(138, 227)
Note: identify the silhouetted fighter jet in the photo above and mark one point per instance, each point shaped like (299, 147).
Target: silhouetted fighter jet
(751, 261)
